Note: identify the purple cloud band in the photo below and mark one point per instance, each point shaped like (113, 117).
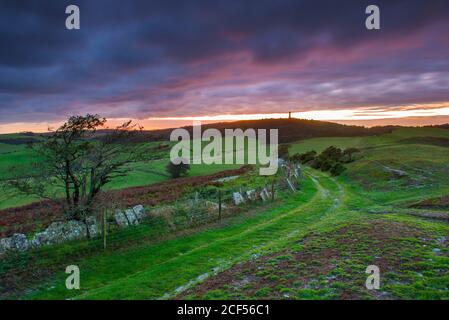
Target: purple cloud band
(182, 58)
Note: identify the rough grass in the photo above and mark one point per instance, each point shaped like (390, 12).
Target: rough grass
(433, 203)
(332, 265)
(433, 141)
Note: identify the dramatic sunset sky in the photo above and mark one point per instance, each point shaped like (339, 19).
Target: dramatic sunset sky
(167, 62)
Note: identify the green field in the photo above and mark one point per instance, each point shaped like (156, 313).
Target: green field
(18, 161)
(312, 244)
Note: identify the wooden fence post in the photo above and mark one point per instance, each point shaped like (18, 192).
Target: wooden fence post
(219, 204)
(104, 225)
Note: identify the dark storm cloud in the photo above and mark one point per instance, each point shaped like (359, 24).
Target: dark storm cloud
(180, 57)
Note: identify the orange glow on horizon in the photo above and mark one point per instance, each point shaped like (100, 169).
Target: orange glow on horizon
(414, 115)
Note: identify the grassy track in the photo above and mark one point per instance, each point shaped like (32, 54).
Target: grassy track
(160, 269)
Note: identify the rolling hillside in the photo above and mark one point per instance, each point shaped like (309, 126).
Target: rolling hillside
(315, 243)
(18, 160)
(289, 129)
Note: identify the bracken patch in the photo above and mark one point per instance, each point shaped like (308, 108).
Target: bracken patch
(38, 215)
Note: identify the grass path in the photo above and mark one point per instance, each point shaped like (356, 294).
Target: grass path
(165, 269)
(156, 271)
(322, 195)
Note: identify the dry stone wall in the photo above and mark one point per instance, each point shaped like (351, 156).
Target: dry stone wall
(60, 232)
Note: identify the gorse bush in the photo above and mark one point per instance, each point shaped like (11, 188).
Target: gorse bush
(304, 157)
(337, 169)
(331, 159)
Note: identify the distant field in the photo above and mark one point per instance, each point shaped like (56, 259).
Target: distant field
(18, 160)
(9, 148)
(319, 144)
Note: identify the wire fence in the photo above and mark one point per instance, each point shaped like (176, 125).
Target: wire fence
(193, 210)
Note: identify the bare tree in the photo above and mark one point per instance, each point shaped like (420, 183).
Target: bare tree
(80, 160)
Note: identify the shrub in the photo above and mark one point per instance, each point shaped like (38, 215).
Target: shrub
(177, 170)
(331, 159)
(283, 151)
(326, 165)
(332, 153)
(316, 163)
(305, 157)
(348, 154)
(337, 169)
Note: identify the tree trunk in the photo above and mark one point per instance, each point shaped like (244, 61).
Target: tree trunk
(67, 192)
(87, 226)
(83, 189)
(67, 185)
(76, 193)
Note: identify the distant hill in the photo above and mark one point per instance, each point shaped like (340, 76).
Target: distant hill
(289, 129)
(19, 138)
(441, 126)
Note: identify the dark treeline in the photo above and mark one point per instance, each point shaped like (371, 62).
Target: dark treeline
(289, 129)
(18, 141)
(439, 126)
